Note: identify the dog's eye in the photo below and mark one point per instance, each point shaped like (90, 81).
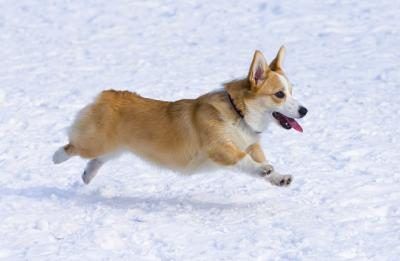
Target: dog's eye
(280, 95)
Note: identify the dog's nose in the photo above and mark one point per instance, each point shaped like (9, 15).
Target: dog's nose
(302, 111)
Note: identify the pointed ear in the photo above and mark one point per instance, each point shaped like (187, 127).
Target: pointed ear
(277, 63)
(258, 70)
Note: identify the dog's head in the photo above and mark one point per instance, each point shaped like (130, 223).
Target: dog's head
(267, 95)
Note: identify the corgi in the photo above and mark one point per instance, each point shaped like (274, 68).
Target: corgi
(220, 128)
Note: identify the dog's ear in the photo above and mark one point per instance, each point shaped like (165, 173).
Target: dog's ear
(258, 70)
(277, 63)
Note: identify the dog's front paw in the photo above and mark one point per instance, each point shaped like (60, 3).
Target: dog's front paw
(281, 180)
(266, 170)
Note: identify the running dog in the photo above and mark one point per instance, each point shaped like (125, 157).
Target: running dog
(220, 128)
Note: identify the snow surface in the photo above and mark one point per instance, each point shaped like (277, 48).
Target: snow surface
(343, 58)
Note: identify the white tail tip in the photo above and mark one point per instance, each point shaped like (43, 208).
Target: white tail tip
(60, 156)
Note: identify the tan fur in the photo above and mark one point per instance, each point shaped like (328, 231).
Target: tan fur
(256, 153)
(183, 134)
(177, 134)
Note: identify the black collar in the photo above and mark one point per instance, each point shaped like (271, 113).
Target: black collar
(238, 111)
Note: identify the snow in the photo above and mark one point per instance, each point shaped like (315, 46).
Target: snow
(343, 59)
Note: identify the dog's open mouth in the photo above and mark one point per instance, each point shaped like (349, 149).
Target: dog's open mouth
(287, 122)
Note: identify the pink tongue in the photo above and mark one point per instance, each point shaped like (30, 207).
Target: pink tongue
(293, 123)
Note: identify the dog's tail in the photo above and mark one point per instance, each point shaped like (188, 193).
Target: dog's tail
(64, 153)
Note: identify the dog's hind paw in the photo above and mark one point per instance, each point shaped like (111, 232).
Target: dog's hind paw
(92, 167)
(86, 178)
(281, 180)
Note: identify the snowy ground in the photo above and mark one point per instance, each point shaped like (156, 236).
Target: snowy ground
(344, 59)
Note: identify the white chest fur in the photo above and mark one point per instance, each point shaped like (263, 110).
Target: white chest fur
(242, 136)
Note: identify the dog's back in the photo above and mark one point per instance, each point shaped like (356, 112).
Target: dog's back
(162, 132)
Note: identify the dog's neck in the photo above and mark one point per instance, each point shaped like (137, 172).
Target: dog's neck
(251, 116)
(256, 118)
(235, 108)
(242, 116)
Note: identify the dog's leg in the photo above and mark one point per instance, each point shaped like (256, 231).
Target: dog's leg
(256, 169)
(275, 178)
(228, 154)
(93, 166)
(91, 169)
(256, 153)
